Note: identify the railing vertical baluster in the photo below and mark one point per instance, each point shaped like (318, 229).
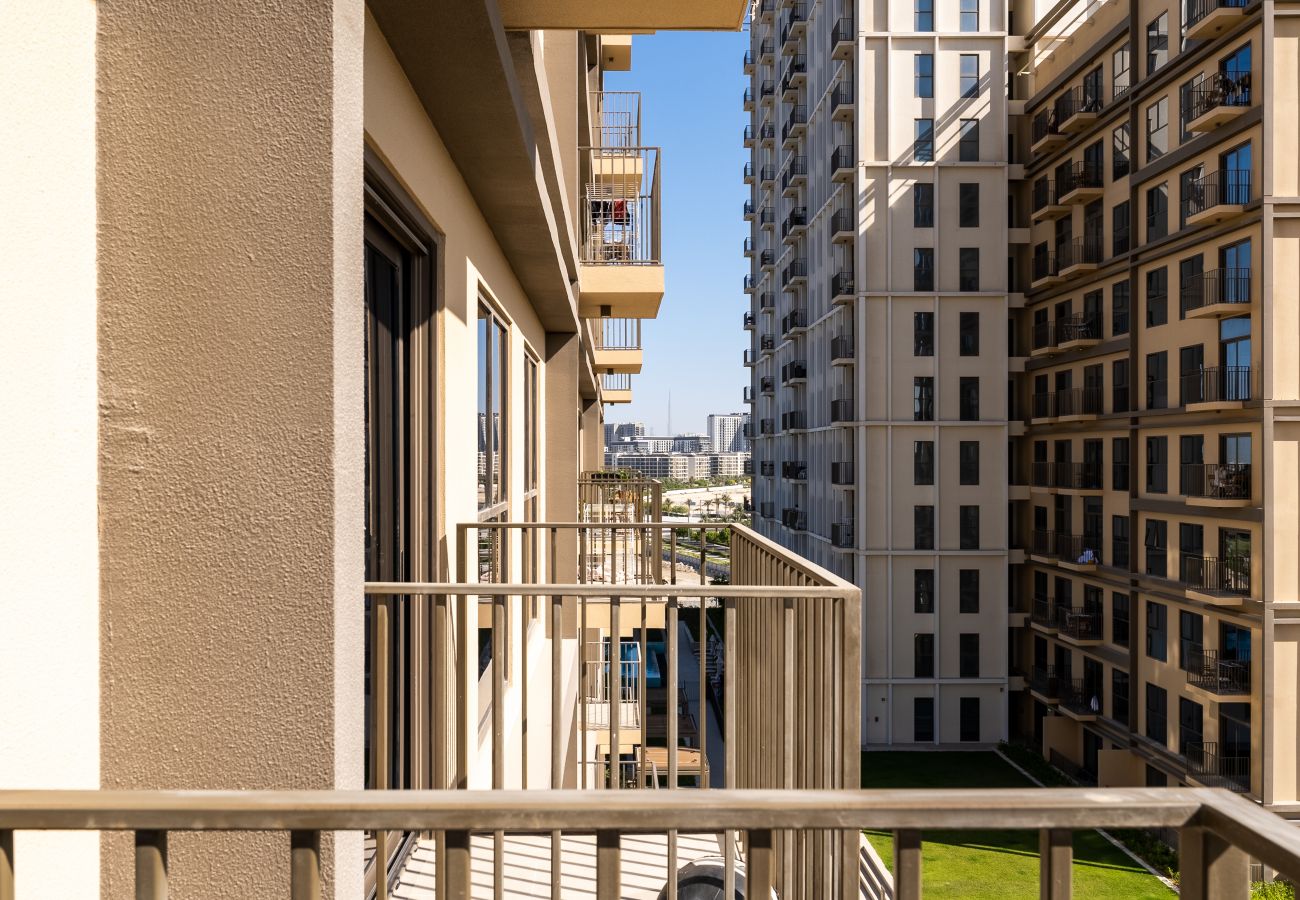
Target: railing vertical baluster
(607, 865)
(790, 726)
(6, 864)
(671, 647)
(730, 637)
(304, 865)
(456, 862)
(672, 556)
(702, 648)
(907, 865)
(760, 873)
(615, 691)
(380, 609)
(1055, 850)
(641, 721)
(151, 865)
(499, 650)
(1210, 868)
(584, 691)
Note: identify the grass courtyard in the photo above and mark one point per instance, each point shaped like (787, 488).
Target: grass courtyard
(996, 865)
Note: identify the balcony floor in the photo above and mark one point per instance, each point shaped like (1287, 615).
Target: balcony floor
(526, 865)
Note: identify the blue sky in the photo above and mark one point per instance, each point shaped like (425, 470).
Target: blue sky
(691, 86)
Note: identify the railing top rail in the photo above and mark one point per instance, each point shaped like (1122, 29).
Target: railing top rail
(1260, 832)
(602, 590)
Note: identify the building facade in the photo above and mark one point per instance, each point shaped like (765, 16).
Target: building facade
(726, 432)
(1050, 436)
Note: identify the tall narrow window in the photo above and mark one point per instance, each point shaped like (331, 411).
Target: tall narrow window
(970, 75)
(923, 269)
(1119, 228)
(923, 398)
(925, 15)
(1119, 619)
(969, 334)
(1119, 66)
(1158, 465)
(923, 527)
(968, 140)
(493, 380)
(969, 522)
(1119, 308)
(924, 69)
(923, 462)
(922, 719)
(923, 205)
(1119, 555)
(923, 590)
(968, 715)
(1157, 129)
(968, 655)
(1157, 42)
(1157, 297)
(1155, 539)
(1157, 631)
(923, 150)
(1157, 212)
(1158, 380)
(1120, 396)
(968, 205)
(970, 16)
(969, 390)
(968, 269)
(968, 591)
(1120, 141)
(969, 462)
(923, 655)
(1119, 461)
(923, 334)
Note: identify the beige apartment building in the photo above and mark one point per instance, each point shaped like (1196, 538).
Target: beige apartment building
(1062, 423)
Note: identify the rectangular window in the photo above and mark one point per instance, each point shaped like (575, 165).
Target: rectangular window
(923, 590)
(923, 462)
(970, 16)
(1157, 631)
(968, 269)
(1190, 283)
(1157, 465)
(1157, 129)
(969, 591)
(925, 15)
(1157, 42)
(1157, 535)
(968, 141)
(493, 421)
(969, 341)
(923, 269)
(922, 719)
(922, 205)
(1119, 308)
(1191, 640)
(923, 334)
(968, 453)
(1119, 541)
(969, 715)
(969, 395)
(923, 66)
(968, 655)
(970, 75)
(1157, 212)
(1157, 727)
(923, 527)
(969, 521)
(923, 150)
(923, 655)
(1119, 460)
(1119, 695)
(1157, 297)
(1120, 224)
(923, 398)
(1121, 76)
(1120, 140)
(1186, 95)
(1158, 380)
(968, 206)
(1119, 631)
(1190, 194)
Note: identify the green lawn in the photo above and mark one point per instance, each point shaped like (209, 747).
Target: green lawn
(996, 865)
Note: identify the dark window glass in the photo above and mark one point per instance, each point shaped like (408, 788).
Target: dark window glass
(969, 389)
(1119, 557)
(1119, 144)
(923, 150)
(923, 398)
(1120, 397)
(970, 527)
(923, 590)
(923, 269)
(923, 334)
(968, 453)
(969, 591)
(1157, 212)
(1119, 617)
(1190, 193)
(923, 527)
(923, 205)
(970, 75)
(1157, 297)
(1157, 42)
(1119, 308)
(968, 269)
(1157, 728)
(923, 462)
(1157, 465)
(923, 659)
(970, 718)
(1119, 228)
(968, 655)
(1118, 695)
(1191, 639)
(968, 194)
(922, 719)
(925, 15)
(969, 327)
(1119, 463)
(968, 141)
(1190, 283)
(1158, 380)
(1156, 541)
(924, 69)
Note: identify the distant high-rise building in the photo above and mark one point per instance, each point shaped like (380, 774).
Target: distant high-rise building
(727, 432)
(622, 431)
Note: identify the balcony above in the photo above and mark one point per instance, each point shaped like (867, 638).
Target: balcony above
(842, 350)
(1211, 18)
(1076, 110)
(1044, 135)
(616, 388)
(843, 37)
(1217, 294)
(1082, 185)
(1219, 582)
(1207, 671)
(794, 470)
(1217, 388)
(1218, 100)
(843, 163)
(1216, 485)
(842, 290)
(842, 535)
(620, 272)
(1046, 204)
(623, 16)
(1218, 196)
(1078, 331)
(842, 102)
(1045, 273)
(844, 227)
(616, 346)
(842, 474)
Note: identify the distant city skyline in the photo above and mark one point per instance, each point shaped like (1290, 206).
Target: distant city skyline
(694, 348)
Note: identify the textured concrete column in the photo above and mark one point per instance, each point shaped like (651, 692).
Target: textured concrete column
(231, 445)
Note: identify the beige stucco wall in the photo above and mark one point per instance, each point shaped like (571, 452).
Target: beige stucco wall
(230, 387)
(49, 614)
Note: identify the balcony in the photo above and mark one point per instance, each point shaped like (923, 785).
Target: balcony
(1081, 255)
(1218, 196)
(1082, 185)
(1081, 404)
(843, 409)
(1044, 682)
(767, 426)
(767, 468)
(794, 519)
(766, 301)
(1082, 477)
(842, 350)
(1078, 553)
(1080, 624)
(748, 211)
(748, 246)
(1217, 388)
(1044, 135)
(794, 274)
(747, 136)
(842, 474)
(796, 123)
(766, 9)
(620, 270)
(1216, 485)
(1212, 770)
(842, 290)
(1217, 294)
(750, 358)
(1042, 612)
(1223, 677)
(1218, 100)
(767, 134)
(766, 344)
(767, 217)
(767, 384)
(748, 284)
(748, 177)
(1211, 18)
(1076, 110)
(615, 388)
(747, 321)
(794, 177)
(794, 322)
(767, 510)
(767, 260)
(794, 420)
(747, 467)
(843, 163)
(842, 535)
(794, 372)
(747, 99)
(792, 33)
(767, 92)
(747, 63)
(1045, 202)
(842, 108)
(844, 227)
(796, 73)
(843, 37)
(795, 224)
(616, 345)
(794, 470)
(1077, 331)
(1216, 581)
(1080, 701)
(1045, 272)
(767, 176)
(766, 50)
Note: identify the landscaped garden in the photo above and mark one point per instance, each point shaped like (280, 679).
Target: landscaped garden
(990, 864)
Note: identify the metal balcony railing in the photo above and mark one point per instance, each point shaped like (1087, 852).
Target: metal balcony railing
(797, 218)
(843, 221)
(1208, 671)
(1217, 384)
(767, 258)
(748, 283)
(767, 426)
(615, 381)
(1076, 100)
(842, 32)
(1230, 88)
(794, 420)
(1214, 481)
(1080, 401)
(1078, 327)
(767, 173)
(616, 119)
(767, 300)
(748, 209)
(767, 89)
(1045, 266)
(794, 519)
(768, 468)
(766, 216)
(797, 269)
(767, 343)
(767, 509)
(747, 321)
(842, 157)
(767, 132)
(1043, 126)
(842, 347)
(1081, 623)
(1216, 286)
(1216, 576)
(1199, 9)
(621, 206)
(767, 384)
(1043, 335)
(842, 95)
(1206, 765)
(842, 534)
(1230, 187)
(1079, 549)
(1080, 697)
(1081, 251)
(749, 357)
(618, 334)
(747, 467)
(1081, 174)
(796, 169)
(794, 470)
(842, 473)
(842, 284)
(843, 409)
(1080, 476)
(1044, 680)
(796, 318)
(1044, 192)
(1043, 610)
(794, 370)
(1043, 405)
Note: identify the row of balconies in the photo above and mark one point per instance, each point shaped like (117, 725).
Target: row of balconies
(1217, 483)
(842, 473)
